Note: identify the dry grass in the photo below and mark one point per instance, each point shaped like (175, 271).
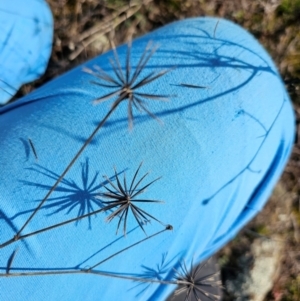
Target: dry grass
(83, 29)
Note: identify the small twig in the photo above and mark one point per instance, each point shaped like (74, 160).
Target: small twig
(103, 28)
(296, 228)
(107, 22)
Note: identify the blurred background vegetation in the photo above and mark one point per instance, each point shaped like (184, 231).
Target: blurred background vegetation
(83, 29)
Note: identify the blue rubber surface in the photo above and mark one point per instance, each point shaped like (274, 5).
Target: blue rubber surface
(220, 151)
(25, 43)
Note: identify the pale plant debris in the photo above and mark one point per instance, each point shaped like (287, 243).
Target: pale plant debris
(122, 199)
(194, 284)
(101, 28)
(126, 84)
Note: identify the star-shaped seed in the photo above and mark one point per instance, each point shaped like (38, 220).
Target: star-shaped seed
(126, 86)
(124, 199)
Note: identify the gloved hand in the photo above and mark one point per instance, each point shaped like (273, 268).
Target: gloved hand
(225, 133)
(25, 43)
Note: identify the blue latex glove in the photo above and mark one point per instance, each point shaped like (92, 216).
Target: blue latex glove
(226, 136)
(25, 43)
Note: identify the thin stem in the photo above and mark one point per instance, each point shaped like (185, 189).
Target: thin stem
(125, 249)
(67, 169)
(86, 271)
(60, 224)
(168, 227)
(99, 273)
(8, 242)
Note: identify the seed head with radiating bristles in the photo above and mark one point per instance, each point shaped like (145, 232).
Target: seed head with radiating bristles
(126, 85)
(123, 198)
(194, 284)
